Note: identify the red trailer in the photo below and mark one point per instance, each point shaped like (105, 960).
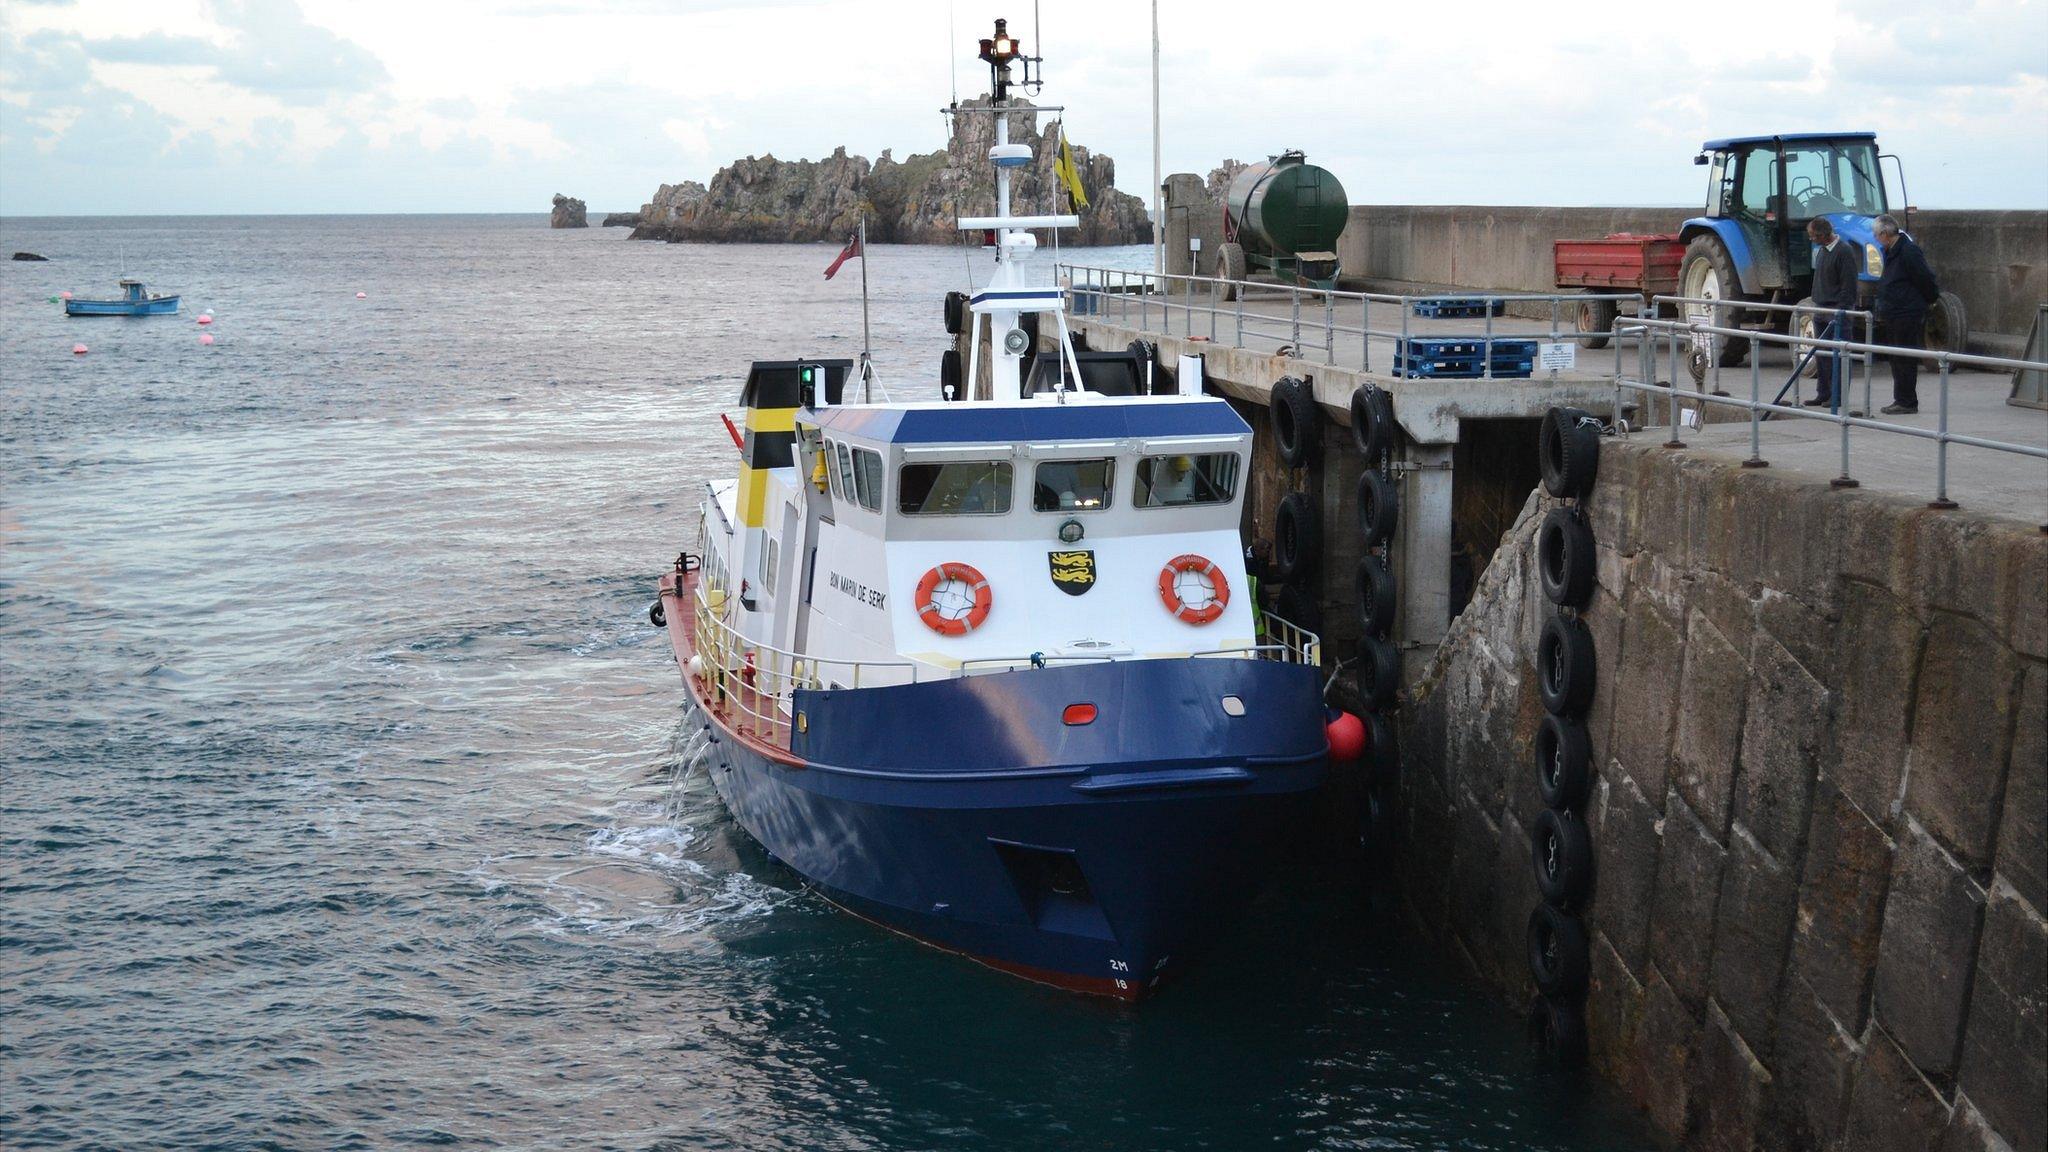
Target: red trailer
(1621, 262)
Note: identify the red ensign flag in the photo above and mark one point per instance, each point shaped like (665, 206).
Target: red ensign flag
(851, 250)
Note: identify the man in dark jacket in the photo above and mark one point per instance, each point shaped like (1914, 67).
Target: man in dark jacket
(1835, 265)
(1903, 294)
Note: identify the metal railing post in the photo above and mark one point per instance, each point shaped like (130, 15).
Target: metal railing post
(1364, 333)
(1941, 499)
(1756, 416)
(1214, 288)
(1294, 293)
(1240, 312)
(1404, 352)
(1486, 350)
(1329, 328)
(1671, 395)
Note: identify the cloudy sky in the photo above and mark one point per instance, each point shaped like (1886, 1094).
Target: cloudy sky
(234, 106)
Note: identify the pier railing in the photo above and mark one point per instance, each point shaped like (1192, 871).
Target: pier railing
(1315, 320)
(1673, 343)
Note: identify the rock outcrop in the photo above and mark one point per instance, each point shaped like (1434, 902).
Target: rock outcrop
(569, 213)
(621, 220)
(911, 201)
(1221, 176)
(29, 256)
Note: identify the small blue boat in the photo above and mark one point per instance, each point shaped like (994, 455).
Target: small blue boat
(134, 302)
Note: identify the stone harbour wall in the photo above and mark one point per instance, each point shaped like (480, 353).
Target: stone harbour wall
(1820, 738)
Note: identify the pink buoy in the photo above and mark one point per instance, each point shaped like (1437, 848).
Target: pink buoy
(78, 349)
(205, 319)
(64, 295)
(206, 337)
(362, 295)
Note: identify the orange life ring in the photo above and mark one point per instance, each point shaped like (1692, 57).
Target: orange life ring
(937, 621)
(1202, 566)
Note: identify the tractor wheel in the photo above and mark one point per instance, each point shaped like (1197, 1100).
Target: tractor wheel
(1597, 316)
(1804, 328)
(1948, 325)
(1230, 267)
(1708, 273)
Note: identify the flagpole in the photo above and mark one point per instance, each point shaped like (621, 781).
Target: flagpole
(866, 347)
(1158, 210)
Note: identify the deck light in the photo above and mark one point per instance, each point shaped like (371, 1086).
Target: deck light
(1000, 50)
(1071, 531)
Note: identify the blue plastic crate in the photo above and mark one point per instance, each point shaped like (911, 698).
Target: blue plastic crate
(1460, 358)
(1455, 307)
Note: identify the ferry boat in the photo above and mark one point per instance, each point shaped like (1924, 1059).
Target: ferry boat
(134, 301)
(986, 669)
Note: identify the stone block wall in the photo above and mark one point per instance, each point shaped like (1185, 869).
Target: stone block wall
(1821, 744)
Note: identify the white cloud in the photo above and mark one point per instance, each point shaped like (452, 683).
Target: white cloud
(381, 105)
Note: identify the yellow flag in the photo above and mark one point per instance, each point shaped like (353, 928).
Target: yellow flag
(1069, 174)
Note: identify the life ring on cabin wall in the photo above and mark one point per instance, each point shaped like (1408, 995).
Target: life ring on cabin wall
(1193, 588)
(953, 599)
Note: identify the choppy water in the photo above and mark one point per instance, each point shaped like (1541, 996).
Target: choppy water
(339, 805)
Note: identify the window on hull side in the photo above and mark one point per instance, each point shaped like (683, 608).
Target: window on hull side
(1178, 481)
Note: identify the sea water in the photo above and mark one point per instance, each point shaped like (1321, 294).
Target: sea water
(345, 800)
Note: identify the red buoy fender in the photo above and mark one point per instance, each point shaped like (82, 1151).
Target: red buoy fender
(984, 599)
(1170, 596)
(1346, 734)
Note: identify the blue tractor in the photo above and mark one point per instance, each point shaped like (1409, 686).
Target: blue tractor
(1751, 244)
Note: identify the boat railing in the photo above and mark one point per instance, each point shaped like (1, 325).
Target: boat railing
(756, 683)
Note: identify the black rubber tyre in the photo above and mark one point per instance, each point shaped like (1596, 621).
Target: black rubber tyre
(1230, 266)
(1597, 316)
(1372, 423)
(1379, 673)
(656, 615)
(1297, 538)
(1564, 763)
(1297, 423)
(1558, 958)
(1377, 596)
(1379, 508)
(1564, 558)
(1148, 356)
(1298, 607)
(1564, 666)
(1558, 1027)
(1706, 270)
(1562, 853)
(1382, 750)
(1948, 324)
(1568, 449)
(949, 375)
(956, 313)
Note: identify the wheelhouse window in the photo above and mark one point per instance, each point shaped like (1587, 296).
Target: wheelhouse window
(954, 488)
(1178, 481)
(867, 476)
(844, 489)
(1072, 485)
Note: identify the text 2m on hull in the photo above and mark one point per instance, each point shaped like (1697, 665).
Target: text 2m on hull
(986, 669)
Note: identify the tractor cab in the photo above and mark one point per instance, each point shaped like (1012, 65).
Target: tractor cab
(1762, 191)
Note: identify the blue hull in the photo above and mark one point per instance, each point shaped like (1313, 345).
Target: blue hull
(965, 813)
(161, 306)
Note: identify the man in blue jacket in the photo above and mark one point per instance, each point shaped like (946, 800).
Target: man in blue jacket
(1903, 294)
(1835, 265)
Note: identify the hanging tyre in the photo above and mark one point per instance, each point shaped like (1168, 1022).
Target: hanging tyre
(1297, 423)
(656, 615)
(1382, 750)
(1372, 423)
(1562, 853)
(1569, 451)
(1298, 608)
(1376, 598)
(1564, 763)
(1558, 1027)
(1379, 508)
(1564, 558)
(1297, 538)
(1564, 666)
(1379, 673)
(1558, 958)
(949, 375)
(956, 313)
